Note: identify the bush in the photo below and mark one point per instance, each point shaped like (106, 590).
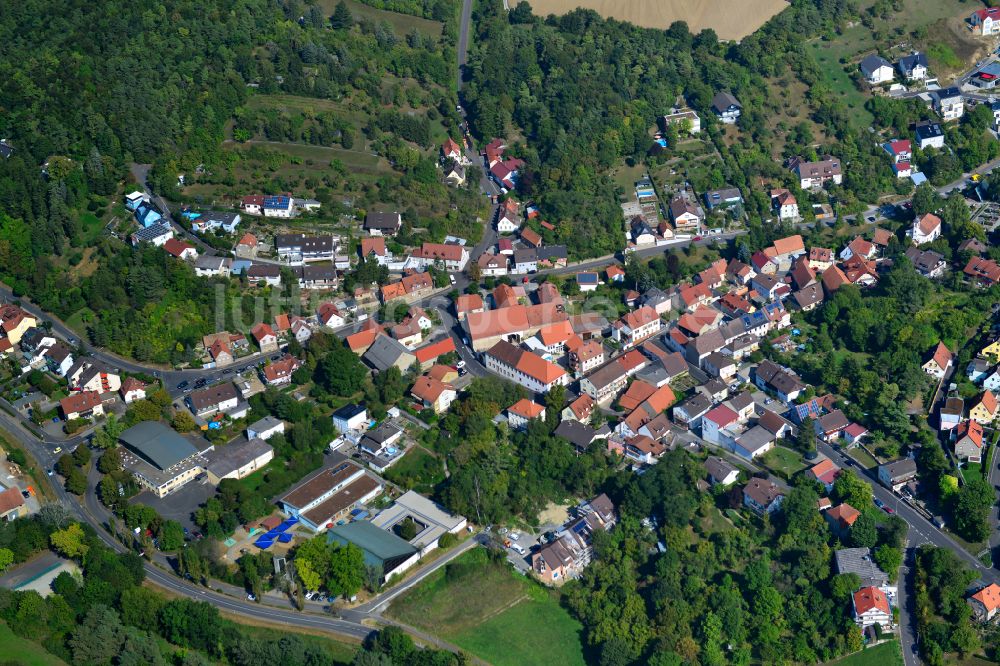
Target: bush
(447, 540)
(17, 457)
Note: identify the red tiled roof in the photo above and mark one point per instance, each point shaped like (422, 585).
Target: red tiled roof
(434, 350)
(468, 302)
(526, 408)
(374, 244)
(80, 402)
(989, 596)
(870, 598)
(262, 330)
(248, 239)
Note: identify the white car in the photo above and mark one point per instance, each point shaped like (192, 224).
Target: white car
(518, 548)
(514, 536)
(460, 364)
(310, 595)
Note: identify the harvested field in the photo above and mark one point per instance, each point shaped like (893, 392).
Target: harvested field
(730, 20)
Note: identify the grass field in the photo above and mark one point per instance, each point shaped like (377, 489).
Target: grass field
(17, 650)
(885, 654)
(401, 24)
(485, 608)
(784, 462)
(863, 458)
(418, 470)
(353, 159)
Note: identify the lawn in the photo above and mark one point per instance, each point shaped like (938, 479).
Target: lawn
(401, 24)
(14, 649)
(418, 470)
(885, 654)
(353, 159)
(339, 652)
(783, 461)
(862, 457)
(481, 605)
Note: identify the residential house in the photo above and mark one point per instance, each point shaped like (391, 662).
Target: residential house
(81, 405)
(386, 352)
(928, 263)
(939, 363)
(992, 351)
(452, 257)
(264, 274)
(265, 337)
(642, 234)
(12, 504)
(59, 358)
(508, 217)
(984, 411)
(820, 258)
(180, 249)
(721, 472)
(901, 153)
(685, 118)
(157, 234)
(969, 441)
(814, 175)
(926, 229)
(215, 399)
(830, 426)
(211, 266)
(684, 214)
(86, 375)
(524, 368)
(300, 248)
(983, 272)
(578, 410)
(586, 357)
(948, 103)
(430, 353)
(279, 373)
(727, 197)
(525, 261)
(690, 413)
(726, 107)
(523, 411)
(468, 303)
(986, 21)
(636, 326)
(986, 602)
(841, 518)
(929, 135)
(568, 555)
(531, 238)
(433, 394)
(876, 69)
(897, 473)
(720, 365)
(913, 67)
(493, 265)
(717, 419)
(383, 224)
(265, 428)
(825, 471)
(246, 247)
(329, 315)
(784, 204)
(951, 413)
(770, 376)
(871, 607)
(751, 443)
(350, 417)
(132, 389)
(14, 323)
(762, 496)
(808, 298)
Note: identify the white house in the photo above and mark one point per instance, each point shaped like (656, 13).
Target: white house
(726, 107)
(265, 428)
(876, 69)
(949, 103)
(523, 367)
(929, 135)
(871, 607)
(913, 67)
(986, 21)
(926, 229)
(784, 203)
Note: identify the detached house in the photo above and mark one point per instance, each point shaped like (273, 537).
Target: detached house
(813, 175)
(684, 214)
(770, 376)
(929, 135)
(901, 153)
(926, 229)
(433, 394)
(876, 69)
(949, 103)
(726, 107)
(986, 602)
(871, 607)
(762, 496)
(383, 224)
(81, 405)
(522, 412)
(986, 21)
(913, 67)
(784, 204)
(939, 362)
(969, 441)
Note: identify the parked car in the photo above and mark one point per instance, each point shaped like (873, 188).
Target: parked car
(183, 385)
(519, 549)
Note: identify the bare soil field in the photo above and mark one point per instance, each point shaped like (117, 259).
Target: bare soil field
(730, 20)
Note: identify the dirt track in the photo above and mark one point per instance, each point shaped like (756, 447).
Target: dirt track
(731, 19)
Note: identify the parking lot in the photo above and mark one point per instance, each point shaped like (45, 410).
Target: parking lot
(181, 504)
